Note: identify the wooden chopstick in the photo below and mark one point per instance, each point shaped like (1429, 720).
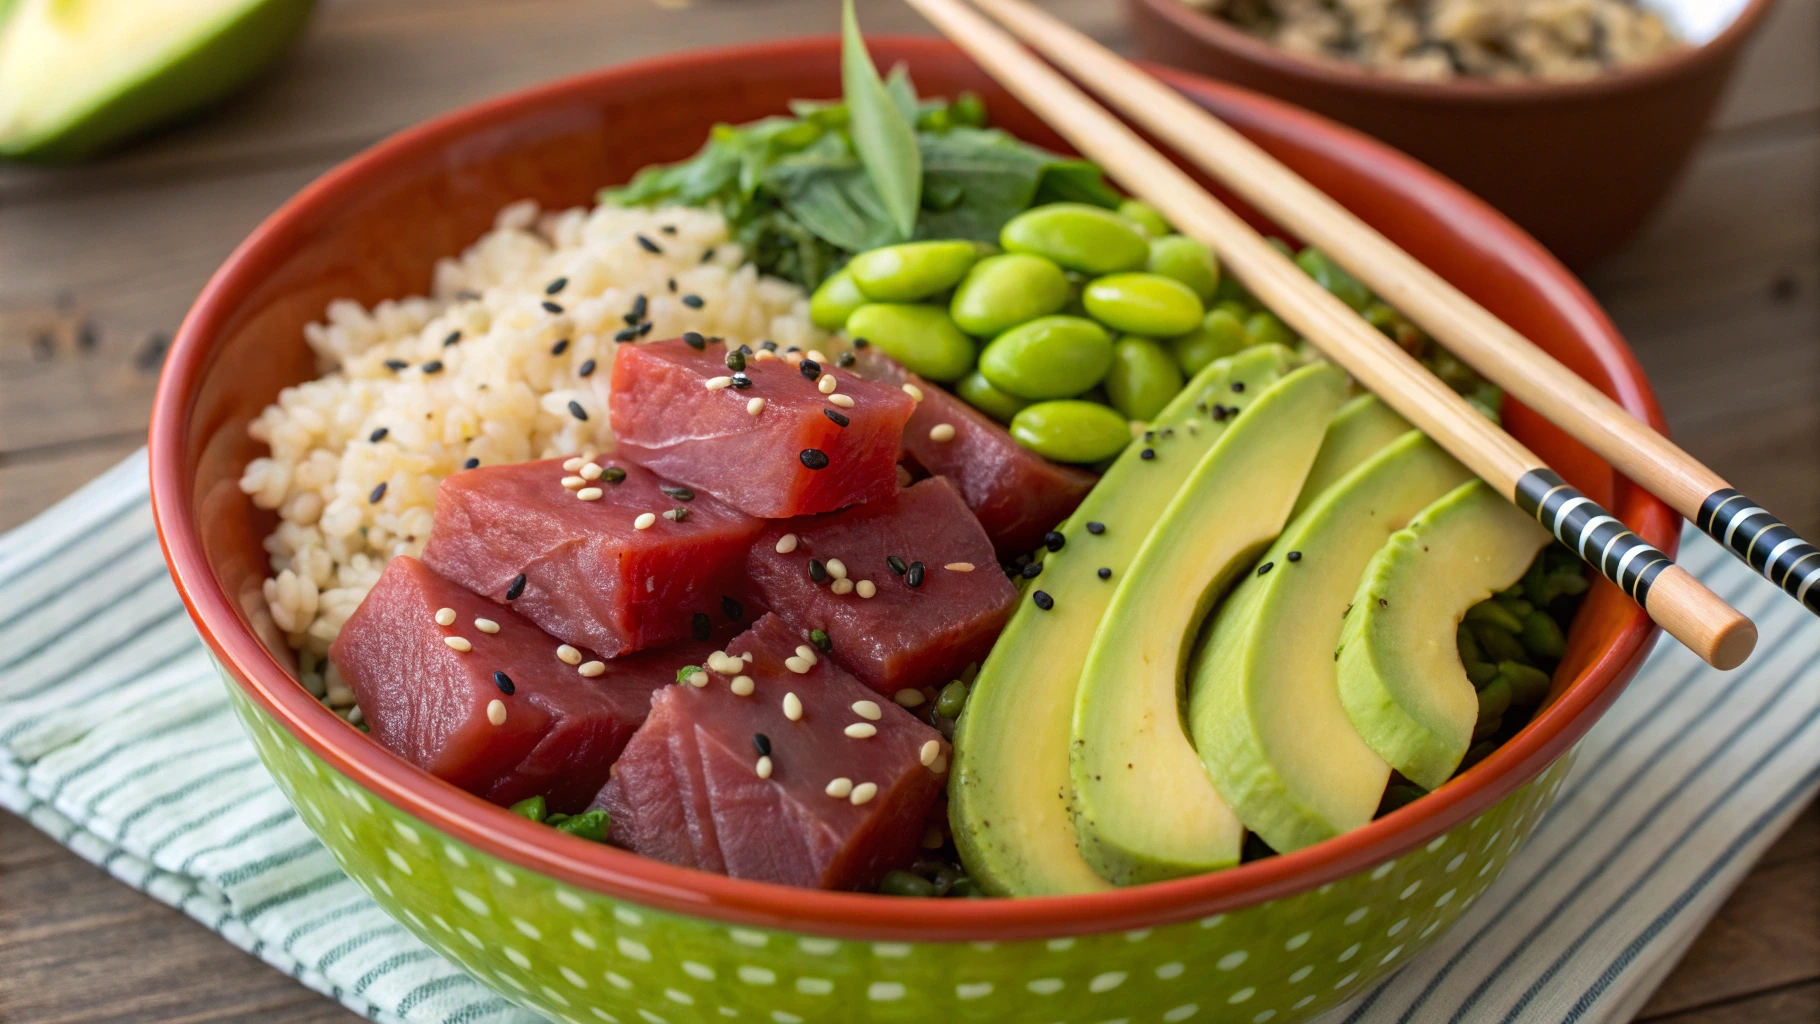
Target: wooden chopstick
(1469, 330)
(1678, 602)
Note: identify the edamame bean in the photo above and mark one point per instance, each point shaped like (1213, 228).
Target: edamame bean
(1219, 335)
(1148, 304)
(1496, 614)
(1497, 644)
(923, 338)
(1001, 292)
(1266, 328)
(1148, 219)
(1077, 236)
(1334, 278)
(1188, 261)
(898, 882)
(911, 271)
(1528, 684)
(1143, 378)
(1494, 700)
(1542, 635)
(978, 392)
(951, 700)
(1071, 431)
(1049, 357)
(835, 301)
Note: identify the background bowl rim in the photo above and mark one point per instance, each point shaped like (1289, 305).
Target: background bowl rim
(626, 876)
(1337, 74)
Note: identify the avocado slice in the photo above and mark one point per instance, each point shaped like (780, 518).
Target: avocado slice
(1009, 799)
(78, 76)
(1264, 701)
(1362, 427)
(1144, 807)
(1400, 676)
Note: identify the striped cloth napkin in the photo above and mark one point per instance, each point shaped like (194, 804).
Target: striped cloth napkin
(116, 738)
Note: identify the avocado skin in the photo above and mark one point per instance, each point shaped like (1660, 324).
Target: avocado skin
(208, 70)
(1400, 676)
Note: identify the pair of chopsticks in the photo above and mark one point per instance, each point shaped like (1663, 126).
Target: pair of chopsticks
(1677, 601)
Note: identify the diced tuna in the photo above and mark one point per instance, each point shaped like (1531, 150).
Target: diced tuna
(904, 635)
(833, 809)
(1017, 494)
(428, 702)
(776, 447)
(592, 576)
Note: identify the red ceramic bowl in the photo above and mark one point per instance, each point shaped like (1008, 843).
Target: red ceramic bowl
(371, 229)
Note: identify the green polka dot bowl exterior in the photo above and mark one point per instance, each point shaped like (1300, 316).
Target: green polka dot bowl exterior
(584, 932)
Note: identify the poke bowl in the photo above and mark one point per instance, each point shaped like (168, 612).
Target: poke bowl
(579, 930)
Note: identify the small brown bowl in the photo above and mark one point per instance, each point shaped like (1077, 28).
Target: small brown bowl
(1579, 164)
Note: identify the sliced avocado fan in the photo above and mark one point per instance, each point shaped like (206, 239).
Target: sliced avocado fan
(1264, 703)
(78, 76)
(1400, 676)
(1010, 800)
(1361, 429)
(1144, 807)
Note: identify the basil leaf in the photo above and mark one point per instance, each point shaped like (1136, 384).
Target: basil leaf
(882, 137)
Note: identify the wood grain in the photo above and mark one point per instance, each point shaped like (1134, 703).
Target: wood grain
(1721, 288)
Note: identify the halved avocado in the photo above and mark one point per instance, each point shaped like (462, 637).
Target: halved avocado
(79, 76)
(1144, 807)
(1264, 701)
(1361, 429)
(1400, 676)
(1010, 793)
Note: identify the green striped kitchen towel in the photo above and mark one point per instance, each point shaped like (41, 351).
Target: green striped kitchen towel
(116, 738)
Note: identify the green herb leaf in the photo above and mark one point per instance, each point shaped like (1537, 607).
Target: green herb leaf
(882, 136)
(903, 93)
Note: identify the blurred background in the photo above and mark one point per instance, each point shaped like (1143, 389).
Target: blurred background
(1686, 192)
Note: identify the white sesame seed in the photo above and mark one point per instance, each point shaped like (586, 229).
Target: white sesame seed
(837, 568)
(842, 586)
(572, 464)
(716, 383)
(959, 566)
(840, 788)
(698, 679)
(592, 668)
(827, 384)
(844, 401)
(763, 354)
(724, 663)
(816, 355)
(931, 750)
(445, 616)
(807, 653)
(459, 643)
(865, 588)
(863, 793)
(940, 767)
(755, 406)
(742, 686)
(904, 479)
(764, 767)
(746, 657)
(644, 521)
(573, 482)
(496, 712)
(786, 543)
(590, 493)
(942, 432)
(793, 707)
(908, 698)
(861, 730)
(568, 655)
(486, 625)
(798, 665)
(591, 471)
(915, 393)
(868, 710)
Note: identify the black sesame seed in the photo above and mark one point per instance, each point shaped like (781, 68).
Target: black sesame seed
(395, 365)
(677, 492)
(818, 573)
(1020, 561)
(694, 340)
(860, 343)
(745, 350)
(433, 366)
(693, 301)
(914, 577)
(768, 346)
(649, 246)
(378, 493)
(1266, 567)
(676, 515)
(1149, 436)
(645, 328)
(1238, 387)
(551, 307)
(668, 229)
(814, 458)
(1096, 528)
(762, 743)
(1042, 599)
(1105, 573)
(454, 336)
(1147, 454)
(793, 348)
(577, 411)
(585, 369)
(555, 286)
(471, 464)
(736, 360)
(516, 588)
(1053, 540)
(897, 564)
(707, 254)
(845, 359)
(560, 347)
(670, 283)
(809, 368)
(1295, 556)
(639, 308)
(613, 475)
(504, 682)
(1031, 571)
(741, 381)
(701, 626)
(732, 609)
(628, 334)
(378, 435)
(839, 418)
(819, 637)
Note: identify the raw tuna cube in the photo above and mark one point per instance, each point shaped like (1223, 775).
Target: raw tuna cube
(904, 635)
(1017, 494)
(796, 452)
(592, 576)
(558, 730)
(832, 809)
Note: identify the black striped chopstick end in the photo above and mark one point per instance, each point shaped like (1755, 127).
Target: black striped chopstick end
(1764, 542)
(1594, 534)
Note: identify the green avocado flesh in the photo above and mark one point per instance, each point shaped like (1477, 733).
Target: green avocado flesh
(1145, 809)
(77, 76)
(1362, 427)
(1400, 676)
(1010, 802)
(1264, 703)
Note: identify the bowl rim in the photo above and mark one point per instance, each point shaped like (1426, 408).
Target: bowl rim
(626, 876)
(1337, 74)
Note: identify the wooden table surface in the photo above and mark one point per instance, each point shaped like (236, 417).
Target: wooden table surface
(1720, 297)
